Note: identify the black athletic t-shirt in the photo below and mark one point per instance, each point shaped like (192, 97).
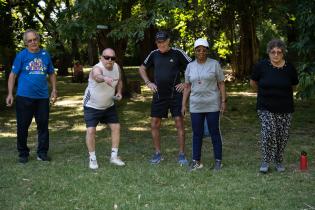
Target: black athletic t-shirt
(167, 68)
(275, 92)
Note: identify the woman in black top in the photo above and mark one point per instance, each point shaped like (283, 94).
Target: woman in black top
(274, 80)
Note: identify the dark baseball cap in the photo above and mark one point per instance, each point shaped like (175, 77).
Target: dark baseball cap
(161, 36)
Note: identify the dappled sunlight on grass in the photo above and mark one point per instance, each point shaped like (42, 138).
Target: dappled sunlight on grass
(61, 125)
(78, 127)
(249, 94)
(70, 101)
(7, 134)
(139, 129)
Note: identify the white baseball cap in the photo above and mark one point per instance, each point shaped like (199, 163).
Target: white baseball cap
(201, 42)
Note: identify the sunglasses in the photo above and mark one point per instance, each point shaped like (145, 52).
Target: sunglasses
(106, 57)
(32, 40)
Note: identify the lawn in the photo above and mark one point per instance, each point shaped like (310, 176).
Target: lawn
(67, 183)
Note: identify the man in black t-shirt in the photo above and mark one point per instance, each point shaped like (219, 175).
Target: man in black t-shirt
(167, 89)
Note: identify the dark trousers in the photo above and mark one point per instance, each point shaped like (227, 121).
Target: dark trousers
(26, 108)
(197, 122)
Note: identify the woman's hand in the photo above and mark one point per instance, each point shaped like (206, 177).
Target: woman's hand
(180, 87)
(223, 107)
(183, 110)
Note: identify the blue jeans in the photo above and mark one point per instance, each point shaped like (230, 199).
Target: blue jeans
(197, 123)
(26, 109)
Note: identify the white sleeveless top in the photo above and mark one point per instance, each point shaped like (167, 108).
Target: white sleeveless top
(100, 95)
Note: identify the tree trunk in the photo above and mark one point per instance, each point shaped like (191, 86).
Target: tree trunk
(7, 46)
(75, 50)
(92, 52)
(146, 46)
(249, 44)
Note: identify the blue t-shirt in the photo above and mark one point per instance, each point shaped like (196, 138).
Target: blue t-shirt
(32, 70)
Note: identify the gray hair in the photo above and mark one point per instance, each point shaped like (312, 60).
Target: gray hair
(276, 43)
(30, 31)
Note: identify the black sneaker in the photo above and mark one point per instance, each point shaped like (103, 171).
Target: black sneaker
(23, 159)
(195, 165)
(43, 157)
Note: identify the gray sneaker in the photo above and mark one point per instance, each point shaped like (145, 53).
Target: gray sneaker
(217, 165)
(264, 167)
(280, 167)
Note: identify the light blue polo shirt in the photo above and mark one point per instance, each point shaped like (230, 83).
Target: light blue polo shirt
(31, 70)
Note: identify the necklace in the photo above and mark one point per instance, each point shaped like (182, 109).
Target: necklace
(279, 65)
(203, 67)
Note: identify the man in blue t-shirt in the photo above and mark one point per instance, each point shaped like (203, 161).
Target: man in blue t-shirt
(168, 63)
(31, 66)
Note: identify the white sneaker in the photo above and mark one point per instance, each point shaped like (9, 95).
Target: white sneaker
(93, 164)
(116, 161)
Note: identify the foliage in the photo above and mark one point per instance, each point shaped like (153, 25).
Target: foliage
(236, 30)
(305, 45)
(266, 31)
(222, 45)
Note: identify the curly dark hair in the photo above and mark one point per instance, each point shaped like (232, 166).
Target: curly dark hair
(276, 43)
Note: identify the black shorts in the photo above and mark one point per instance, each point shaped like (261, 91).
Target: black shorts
(161, 105)
(94, 116)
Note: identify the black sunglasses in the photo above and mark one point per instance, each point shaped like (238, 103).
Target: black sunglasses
(109, 57)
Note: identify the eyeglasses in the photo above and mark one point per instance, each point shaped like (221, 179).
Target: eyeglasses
(201, 50)
(32, 40)
(106, 57)
(275, 52)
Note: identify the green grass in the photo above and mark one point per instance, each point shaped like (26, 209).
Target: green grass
(67, 183)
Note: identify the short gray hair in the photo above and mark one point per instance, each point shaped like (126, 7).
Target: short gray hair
(30, 31)
(276, 43)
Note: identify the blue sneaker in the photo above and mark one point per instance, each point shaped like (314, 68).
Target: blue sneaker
(264, 167)
(182, 159)
(280, 167)
(156, 159)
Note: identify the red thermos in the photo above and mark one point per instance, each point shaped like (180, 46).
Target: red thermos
(303, 161)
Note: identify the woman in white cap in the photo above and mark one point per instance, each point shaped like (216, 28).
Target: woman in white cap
(204, 85)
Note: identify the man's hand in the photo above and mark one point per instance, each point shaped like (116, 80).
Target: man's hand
(117, 97)
(152, 87)
(108, 80)
(9, 100)
(53, 96)
(180, 87)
